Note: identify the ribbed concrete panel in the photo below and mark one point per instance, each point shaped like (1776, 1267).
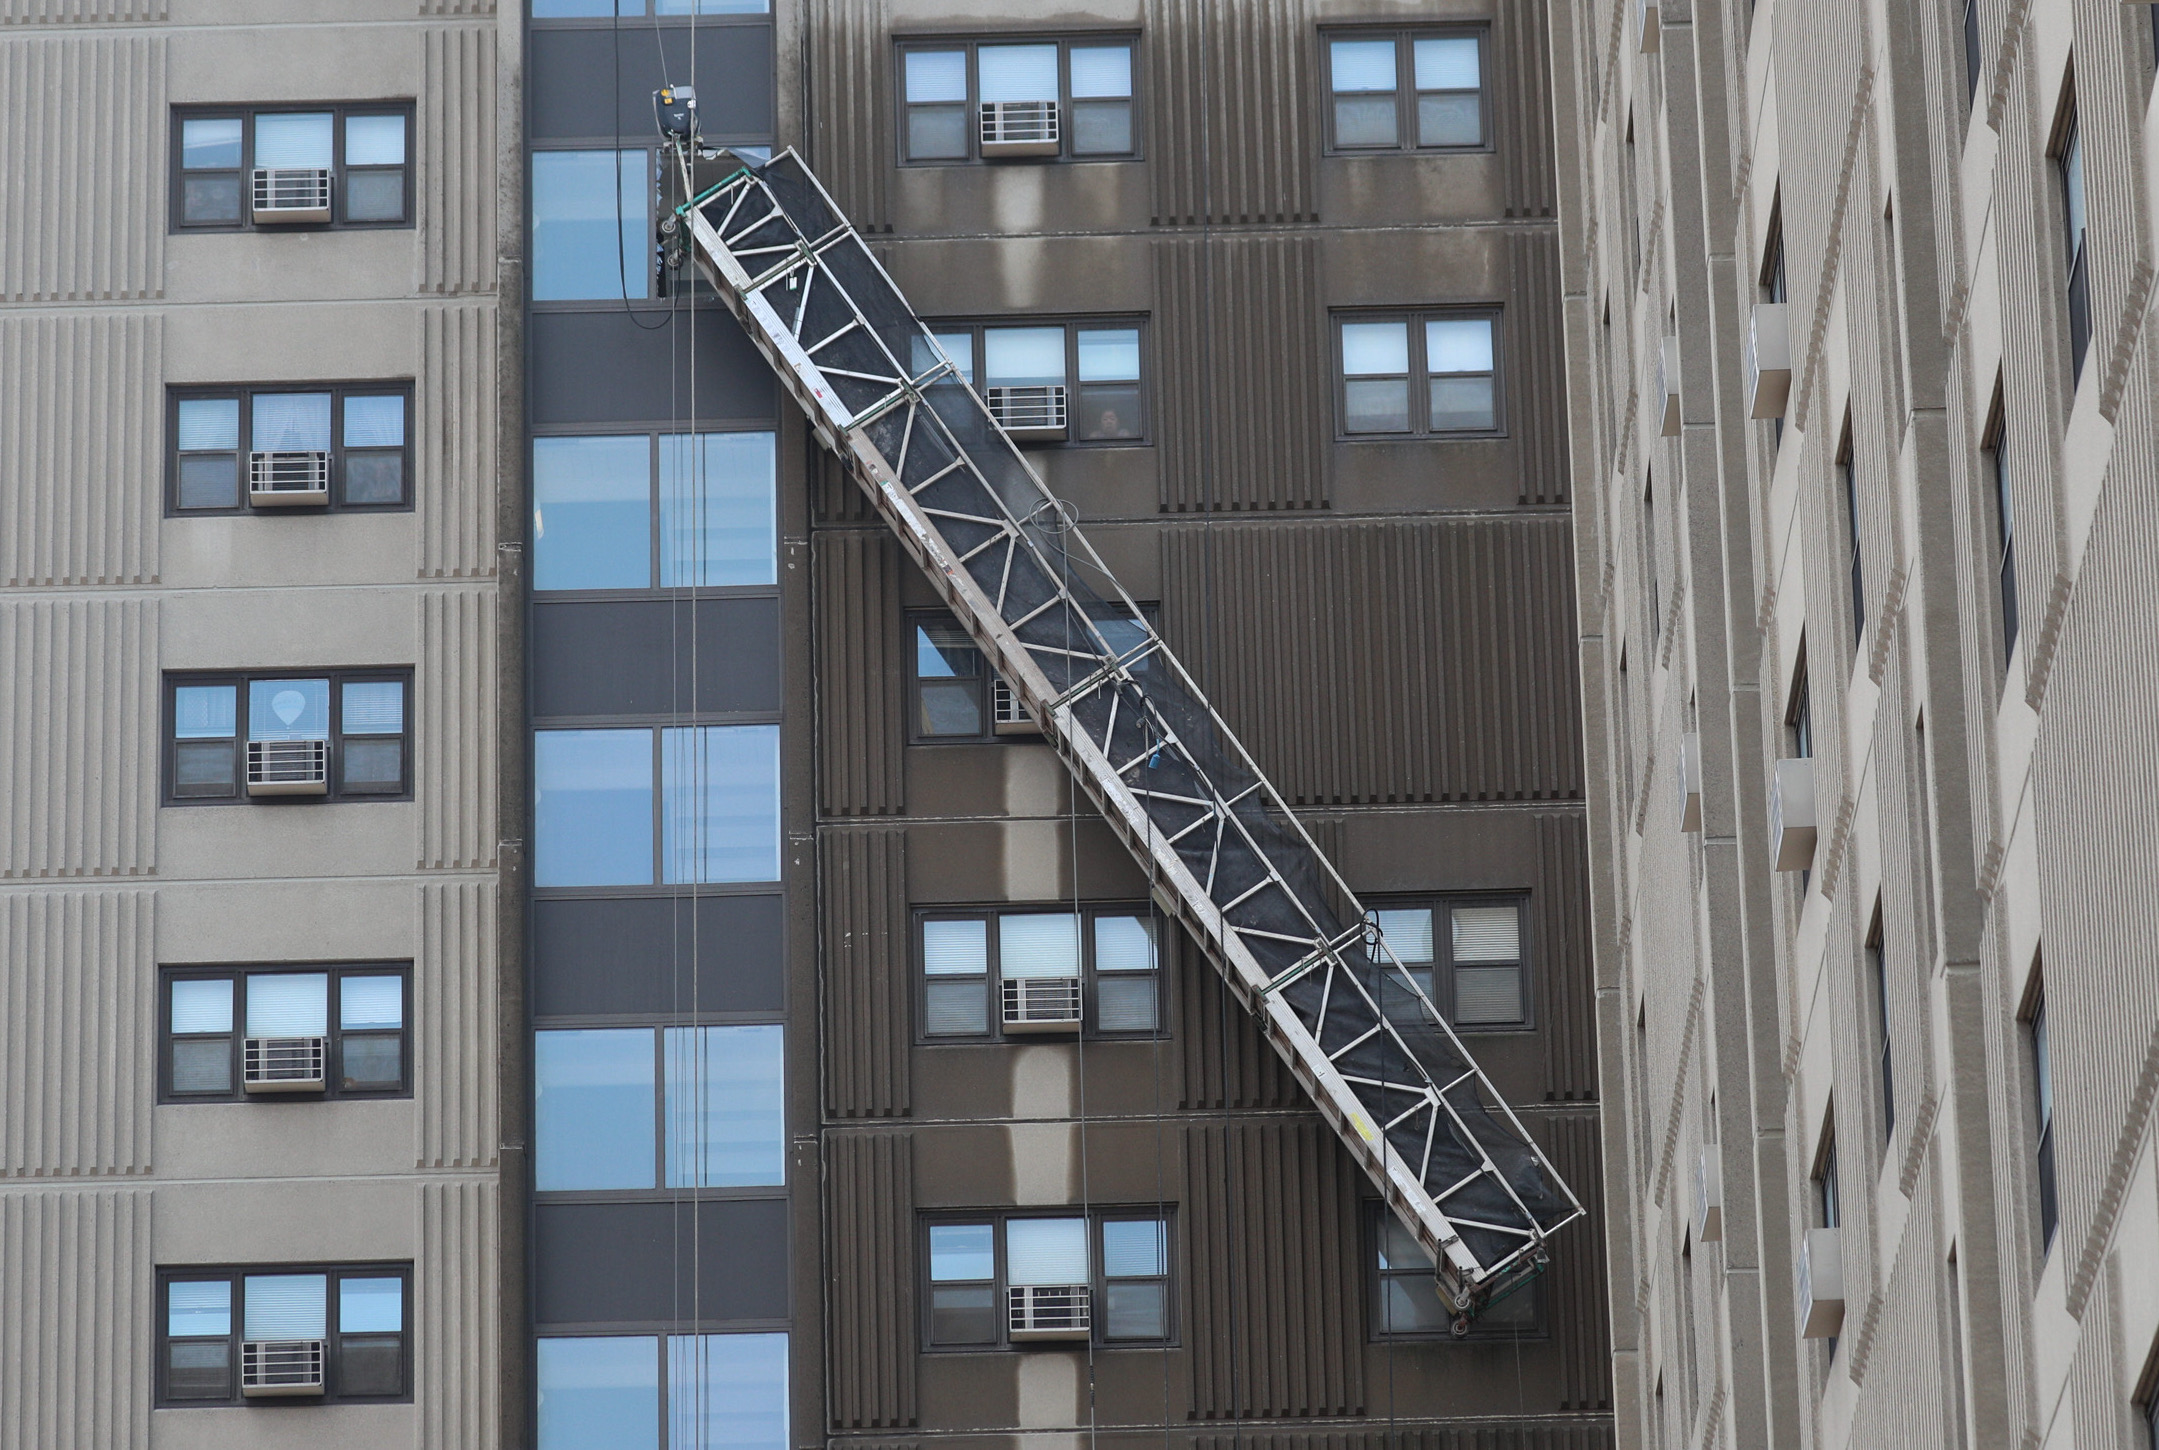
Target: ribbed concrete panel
(1537, 365)
(454, 996)
(1227, 1063)
(1909, 1341)
(1387, 661)
(78, 737)
(1271, 1237)
(1523, 98)
(869, 1221)
(78, 1033)
(455, 1311)
(1232, 115)
(75, 1319)
(862, 896)
(1559, 929)
(454, 728)
(861, 667)
(72, 107)
(1574, 1287)
(456, 139)
(81, 413)
(457, 7)
(1244, 400)
(1482, 1436)
(849, 84)
(455, 444)
(80, 12)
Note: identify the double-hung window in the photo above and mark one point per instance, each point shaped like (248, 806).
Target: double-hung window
(1406, 1302)
(238, 167)
(623, 1109)
(955, 697)
(1046, 99)
(1467, 955)
(264, 1333)
(264, 1032)
(1078, 381)
(666, 805)
(1855, 564)
(1994, 460)
(2069, 165)
(1015, 973)
(336, 734)
(1408, 91)
(662, 1392)
(1430, 374)
(680, 510)
(331, 445)
(1001, 1280)
(2042, 1069)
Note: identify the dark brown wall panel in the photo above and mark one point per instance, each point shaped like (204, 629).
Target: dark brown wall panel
(1566, 994)
(847, 65)
(1537, 365)
(1521, 51)
(1232, 110)
(1575, 1285)
(1227, 1061)
(1482, 1436)
(869, 1224)
(1245, 400)
(861, 706)
(862, 895)
(1271, 1234)
(1401, 660)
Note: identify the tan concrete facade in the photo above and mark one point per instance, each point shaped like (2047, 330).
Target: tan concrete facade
(1852, 1041)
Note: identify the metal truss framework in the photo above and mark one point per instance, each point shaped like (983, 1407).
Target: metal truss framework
(1224, 853)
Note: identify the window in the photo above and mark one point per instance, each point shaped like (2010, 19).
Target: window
(717, 792)
(1855, 564)
(2042, 1063)
(663, 1392)
(1651, 572)
(1799, 717)
(565, 9)
(625, 1108)
(591, 225)
(1971, 53)
(1994, 456)
(1423, 374)
(342, 166)
(1045, 99)
(1878, 978)
(2150, 1406)
(2069, 163)
(1406, 1302)
(954, 697)
(1002, 1279)
(231, 1335)
(1828, 1209)
(1030, 372)
(333, 445)
(1421, 91)
(986, 973)
(1775, 285)
(691, 510)
(263, 1033)
(1474, 971)
(336, 734)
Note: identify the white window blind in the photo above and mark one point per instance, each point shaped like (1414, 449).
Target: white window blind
(1408, 934)
(371, 1002)
(1363, 65)
(1038, 946)
(374, 140)
(203, 712)
(955, 948)
(285, 1306)
(1017, 72)
(301, 140)
(1487, 995)
(1458, 345)
(936, 75)
(374, 707)
(1123, 944)
(202, 1006)
(1447, 63)
(1101, 72)
(209, 425)
(1375, 349)
(288, 710)
(199, 1309)
(1046, 1251)
(1023, 356)
(1134, 1249)
(292, 422)
(1487, 934)
(288, 1004)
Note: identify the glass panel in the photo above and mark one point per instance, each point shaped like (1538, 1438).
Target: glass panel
(373, 707)
(700, 7)
(2073, 187)
(285, 1306)
(720, 803)
(1366, 121)
(1398, 1247)
(1125, 1004)
(288, 710)
(718, 501)
(1410, 1305)
(937, 133)
(1377, 406)
(202, 768)
(1408, 933)
(370, 1306)
(962, 1251)
(593, 1092)
(202, 1065)
(291, 423)
(1107, 411)
(374, 140)
(288, 1004)
(371, 1364)
(1046, 1251)
(955, 948)
(1123, 944)
(950, 708)
(726, 1125)
(372, 765)
(1038, 945)
(201, 1370)
(1487, 995)
(957, 348)
(1375, 349)
(375, 196)
(374, 478)
(195, 1308)
(203, 712)
(207, 424)
(1458, 345)
(936, 75)
(963, 1314)
(599, 1394)
(1446, 63)
(1017, 72)
(202, 1006)
(210, 481)
(212, 143)
(371, 1063)
(210, 198)
(1023, 356)
(1135, 1311)
(1101, 128)
(592, 810)
(1487, 934)
(1134, 1248)
(590, 225)
(1450, 120)
(1108, 354)
(944, 651)
(1362, 65)
(956, 1008)
(592, 513)
(1101, 70)
(364, 1002)
(375, 420)
(294, 140)
(727, 1392)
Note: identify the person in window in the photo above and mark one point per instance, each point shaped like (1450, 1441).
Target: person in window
(1111, 426)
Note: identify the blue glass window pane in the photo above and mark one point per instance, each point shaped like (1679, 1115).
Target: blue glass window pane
(288, 710)
(1017, 72)
(592, 807)
(370, 1306)
(1101, 71)
(285, 1306)
(374, 140)
(1134, 1248)
(727, 1391)
(702, 7)
(204, 712)
(202, 1006)
(377, 1002)
(291, 423)
(1458, 345)
(1363, 65)
(375, 420)
(1375, 349)
(957, 348)
(565, 9)
(1446, 63)
(592, 513)
(209, 425)
(936, 75)
(726, 1127)
(294, 140)
(590, 225)
(211, 144)
(718, 522)
(1109, 355)
(198, 1308)
(1023, 356)
(600, 1394)
(373, 707)
(962, 1251)
(720, 803)
(593, 1104)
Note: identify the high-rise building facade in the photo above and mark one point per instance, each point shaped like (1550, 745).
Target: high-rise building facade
(1857, 307)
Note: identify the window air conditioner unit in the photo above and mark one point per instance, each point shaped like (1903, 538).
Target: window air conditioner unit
(1791, 814)
(1769, 361)
(290, 195)
(1821, 1284)
(1651, 26)
(1042, 1004)
(271, 1368)
(1690, 781)
(283, 1064)
(1049, 1311)
(1031, 414)
(1019, 128)
(1665, 396)
(288, 480)
(1709, 1195)
(1007, 715)
(288, 767)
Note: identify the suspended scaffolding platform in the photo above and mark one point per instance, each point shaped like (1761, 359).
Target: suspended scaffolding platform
(1227, 857)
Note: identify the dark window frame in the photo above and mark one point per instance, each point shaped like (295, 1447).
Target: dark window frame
(2039, 1067)
(235, 1275)
(1876, 956)
(1972, 56)
(245, 393)
(1096, 1217)
(1405, 87)
(2067, 154)
(1482, 1330)
(246, 113)
(240, 680)
(1848, 480)
(1073, 325)
(993, 1008)
(1442, 904)
(237, 974)
(1419, 378)
(1064, 40)
(915, 619)
(1994, 459)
